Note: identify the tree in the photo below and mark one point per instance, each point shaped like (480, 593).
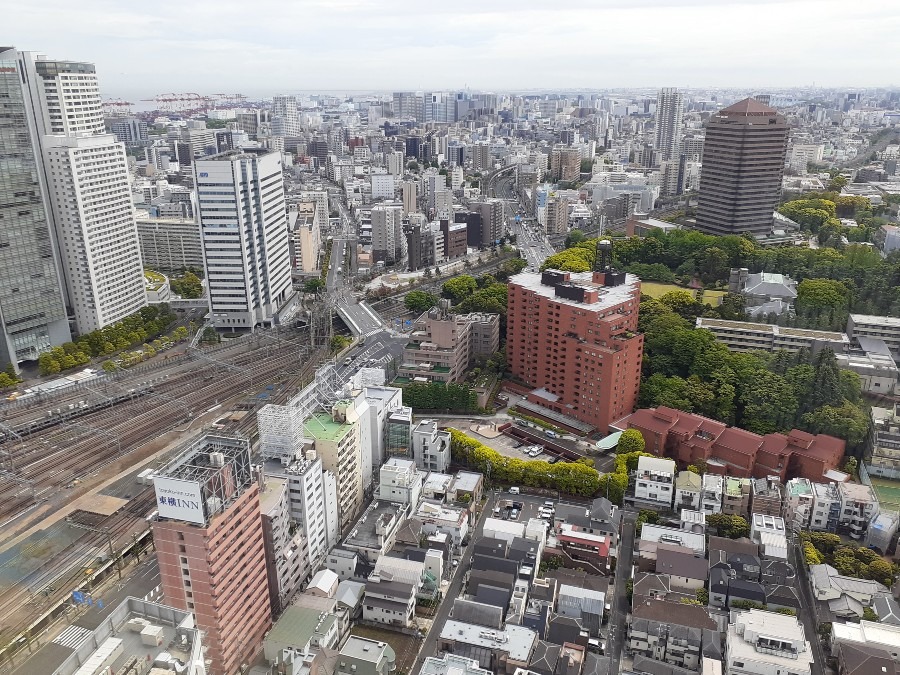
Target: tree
(821, 294)
(645, 516)
(851, 466)
(338, 343)
(459, 288)
(420, 301)
(837, 183)
(313, 285)
(187, 286)
(413, 165)
(702, 596)
(110, 366)
(574, 237)
(180, 333)
(870, 614)
(727, 525)
(631, 440)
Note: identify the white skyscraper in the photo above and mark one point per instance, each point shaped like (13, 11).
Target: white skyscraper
(90, 195)
(285, 108)
(243, 228)
(669, 120)
(86, 179)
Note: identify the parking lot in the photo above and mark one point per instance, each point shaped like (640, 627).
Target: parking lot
(528, 506)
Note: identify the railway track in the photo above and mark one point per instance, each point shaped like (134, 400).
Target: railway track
(56, 457)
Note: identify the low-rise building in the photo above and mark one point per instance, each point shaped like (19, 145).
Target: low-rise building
(374, 534)
(452, 665)
(301, 630)
(468, 483)
(763, 643)
(655, 481)
(389, 602)
(687, 490)
(846, 596)
(886, 328)
(871, 359)
(361, 656)
(859, 505)
(798, 503)
(736, 497)
(430, 446)
(770, 533)
(585, 546)
(747, 336)
(712, 494)
(453, 522)
(400, 481)
(765, 496)
(670, 632)
(867, 634)
(499, 651)
(136, 630)
(652, 535)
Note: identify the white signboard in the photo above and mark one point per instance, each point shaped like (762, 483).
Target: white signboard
(179, 499)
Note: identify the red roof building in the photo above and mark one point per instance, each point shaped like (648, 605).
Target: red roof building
(686, 437)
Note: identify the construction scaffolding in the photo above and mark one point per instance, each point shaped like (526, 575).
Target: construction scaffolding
(281, 432)
(219, 464)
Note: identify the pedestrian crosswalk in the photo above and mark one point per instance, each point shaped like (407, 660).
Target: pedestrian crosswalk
(73, 637)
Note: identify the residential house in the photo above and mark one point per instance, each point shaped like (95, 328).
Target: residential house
(687, 571)
(846, 596)
(361, 656)
(765, 496)
(763, 643)
(687, 490)
(499, 651)
(655, 482)
(653, 535)
(736, 497)
(867, 634)
(670, 632)
(712, 493)
(798, 503)
(861, 659)
(583, 604)
(451, 665)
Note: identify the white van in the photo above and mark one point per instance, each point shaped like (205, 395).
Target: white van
(513, 490)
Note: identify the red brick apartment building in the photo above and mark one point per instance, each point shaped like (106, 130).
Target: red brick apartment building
(209, 543)
(686, 437)
(573, 337)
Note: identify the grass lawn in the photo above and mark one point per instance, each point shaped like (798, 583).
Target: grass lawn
(713, 298)
(888, 492)
(655, 290)
(406, 647)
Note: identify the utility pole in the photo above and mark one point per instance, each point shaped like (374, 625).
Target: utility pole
(100, 530)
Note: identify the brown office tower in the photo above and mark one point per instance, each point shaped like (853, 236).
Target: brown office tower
(209, 543)
(573, 337)
(743, 163)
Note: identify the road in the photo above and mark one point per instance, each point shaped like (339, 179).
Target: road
(619, 609)
(429, 645)
(807, 613)
(532, 242)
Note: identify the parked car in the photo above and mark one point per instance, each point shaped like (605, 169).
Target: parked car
(514, 491)
(514, 514)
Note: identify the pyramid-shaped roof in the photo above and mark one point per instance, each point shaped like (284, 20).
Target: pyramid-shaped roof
(748, 105)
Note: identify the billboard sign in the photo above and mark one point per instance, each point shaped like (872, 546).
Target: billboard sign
(179, 499)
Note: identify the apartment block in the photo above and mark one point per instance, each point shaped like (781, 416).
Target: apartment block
(306, 237)
(765, 496)
(882, 456)
(798, 503)
(573, 338)
(287, 554)
(655, 481)
(736, 496)
(886, 328)
(859, 506)
(337, 440)
(673, 633)
(727, 450)
(713, 493)
(762, 643)
(170, 244)
(209, 542)
(746, 336)
(387, 233)
(826, 507)
(243, 225)
(443, 346)
(565, 164)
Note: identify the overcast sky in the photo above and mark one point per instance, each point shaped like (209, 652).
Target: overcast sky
(261, 47)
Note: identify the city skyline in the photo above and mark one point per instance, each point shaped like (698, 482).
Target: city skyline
(349, 45)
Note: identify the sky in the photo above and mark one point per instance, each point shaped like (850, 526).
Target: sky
(265, 47)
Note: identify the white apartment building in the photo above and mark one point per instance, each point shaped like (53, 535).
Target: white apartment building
(766, 643)
(804, 154)
(387, 233)
(711, 496)
(655, 481)
(443, 519)
(312, 506)
(399, 481)
(885, 328)
(382, 185)
(287, 554)
(243, 226)
(285, 108)
(320, 198)
(770, 533)
(395, 164)
(431, 447)
(65, 95)
(90, 197)
(669, 123)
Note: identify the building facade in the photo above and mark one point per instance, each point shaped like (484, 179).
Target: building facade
(431, 447)
(573, 337)
(170, 244)
(243, 226)
(669, 123)
(743, 164)
(209, 542)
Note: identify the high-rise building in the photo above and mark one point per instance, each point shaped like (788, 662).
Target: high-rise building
(669, 114)
(86, 183)
(209, 542)
(565, 164)
(387, 233)
(306, 236)
(32, 305)
(573, 338)
(557, 216)
(409, 189)
(95, 223)
(481, 156)
(743, 164)
(243, 228)
(409, 104)
(492, 224)
(285, 109)
(170, 244)
(130, 131)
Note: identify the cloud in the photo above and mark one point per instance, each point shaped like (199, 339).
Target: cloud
(269, 46)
